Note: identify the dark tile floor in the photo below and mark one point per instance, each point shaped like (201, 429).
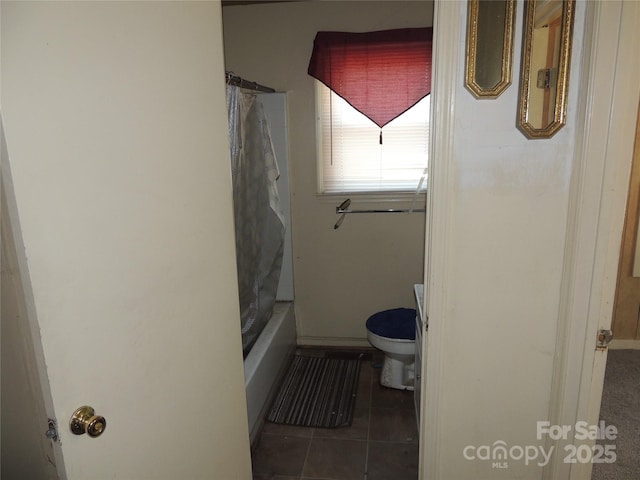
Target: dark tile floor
(381, 443)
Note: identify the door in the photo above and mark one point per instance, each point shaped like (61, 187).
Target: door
(118, 162)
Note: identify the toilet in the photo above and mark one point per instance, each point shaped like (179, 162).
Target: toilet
(394, 333)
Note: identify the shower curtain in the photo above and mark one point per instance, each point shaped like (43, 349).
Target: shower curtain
(259, 222)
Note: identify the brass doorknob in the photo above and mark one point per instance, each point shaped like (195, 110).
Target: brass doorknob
(84, 420)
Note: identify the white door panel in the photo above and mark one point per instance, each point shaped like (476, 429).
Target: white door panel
(115, 120)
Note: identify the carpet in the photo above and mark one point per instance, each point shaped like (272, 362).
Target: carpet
(318, 392)
(621, 408)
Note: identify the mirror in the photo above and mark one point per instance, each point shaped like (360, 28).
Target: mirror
(489, 46)
(546, 54)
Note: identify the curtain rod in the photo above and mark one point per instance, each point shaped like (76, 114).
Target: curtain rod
(237, 81)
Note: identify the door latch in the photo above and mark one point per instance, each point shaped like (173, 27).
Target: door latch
(604, 339)
(52, 432)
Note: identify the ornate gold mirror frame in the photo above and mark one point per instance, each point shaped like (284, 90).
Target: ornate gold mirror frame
(489, 46)
(546, 54)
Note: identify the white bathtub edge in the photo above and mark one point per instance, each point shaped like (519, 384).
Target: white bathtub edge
(266, 364)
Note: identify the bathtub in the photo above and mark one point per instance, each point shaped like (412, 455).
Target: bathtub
(266, 364)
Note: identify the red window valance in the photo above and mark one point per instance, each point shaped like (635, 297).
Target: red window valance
(381, 74)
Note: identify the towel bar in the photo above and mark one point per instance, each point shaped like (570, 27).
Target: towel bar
(342, 209)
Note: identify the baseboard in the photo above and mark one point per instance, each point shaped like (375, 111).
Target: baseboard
(333, 342)
(616, 344)
(624, 344)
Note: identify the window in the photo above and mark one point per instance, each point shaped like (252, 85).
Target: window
(372, 109)
(356, 156)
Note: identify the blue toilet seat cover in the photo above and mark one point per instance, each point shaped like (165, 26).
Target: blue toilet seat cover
(397, 323)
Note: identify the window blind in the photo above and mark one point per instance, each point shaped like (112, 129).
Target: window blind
(352, 160)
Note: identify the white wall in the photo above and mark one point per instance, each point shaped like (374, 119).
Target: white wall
(496, 274)
(372, 261)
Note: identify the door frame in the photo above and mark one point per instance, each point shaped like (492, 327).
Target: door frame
(446, 76)
(599, 189)
(35, 361)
